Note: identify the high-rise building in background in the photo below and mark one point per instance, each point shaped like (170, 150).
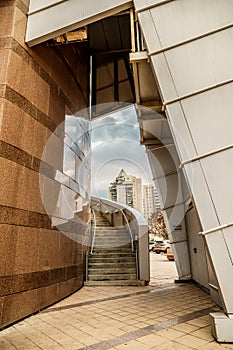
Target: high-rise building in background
(127, 189)
(150, 201)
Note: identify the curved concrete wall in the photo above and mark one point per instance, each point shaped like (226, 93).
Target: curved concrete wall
(38, 264)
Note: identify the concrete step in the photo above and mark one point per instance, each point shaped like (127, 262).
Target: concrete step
(112, 239)
(107, 239)
(113, 236)
(122, 246)
(112, 254)
(102, 221)
(114, 228)
(102, 224)
(111, 277)
(111, 270)
(115, 283)
(112, 260)
(101, 264)
(123, 242)
(112, 233)
(112, 250)
(111, 245)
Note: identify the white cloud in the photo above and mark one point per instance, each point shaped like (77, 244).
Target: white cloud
(115, 145)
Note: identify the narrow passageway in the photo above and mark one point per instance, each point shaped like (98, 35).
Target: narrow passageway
(162, 271)
(163, 315)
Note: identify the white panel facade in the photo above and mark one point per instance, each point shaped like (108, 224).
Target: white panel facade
(60, 17)
(173, 193)
(206, 62)
(203, 122)
(212, 108)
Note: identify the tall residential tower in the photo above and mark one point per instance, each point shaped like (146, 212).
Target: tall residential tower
(150, 201)
(127, 189)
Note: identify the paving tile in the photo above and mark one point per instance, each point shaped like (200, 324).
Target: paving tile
(186, 327)
(5, 344)
(86, 339)
(204, 333)
(191, 341)
(199, 322)
(171, 345)
(22, 343)
(214, 346)
(95, 319)
(153, 339)
(129, 328)
(228, 346)
(135, 345)
(170, 333)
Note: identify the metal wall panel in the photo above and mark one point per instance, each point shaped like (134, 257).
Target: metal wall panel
(206, 62)
(209, 117)
(36, 5)
(63, 16)
(177, 21)
(199, 59)
(218, 169)
(197, 252)
(173, 193)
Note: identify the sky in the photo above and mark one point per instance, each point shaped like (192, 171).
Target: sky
(116, 146)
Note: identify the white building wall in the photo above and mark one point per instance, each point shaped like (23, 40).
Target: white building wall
(149, 205)
(137, 192)
(121, 194)
(190, 45)
(59, 17)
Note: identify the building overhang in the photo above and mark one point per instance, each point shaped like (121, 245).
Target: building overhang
(50, 18)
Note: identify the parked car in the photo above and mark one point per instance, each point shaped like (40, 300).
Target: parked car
(155, 244)
(170, 255)
(161, 246)
(151, 245)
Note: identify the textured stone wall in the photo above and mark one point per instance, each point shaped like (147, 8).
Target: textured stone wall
(38, 264)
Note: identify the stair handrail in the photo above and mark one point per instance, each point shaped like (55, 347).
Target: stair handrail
(85, 233)
(129, 229)
(100, 202)
(139, 231)
(93, 237)
(126, 219)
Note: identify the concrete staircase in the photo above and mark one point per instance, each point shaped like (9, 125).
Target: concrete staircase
(112, 262)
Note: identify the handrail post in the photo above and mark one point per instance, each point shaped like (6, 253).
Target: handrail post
(129, 228)
(137, 265)
(93, 237)
(86, 266)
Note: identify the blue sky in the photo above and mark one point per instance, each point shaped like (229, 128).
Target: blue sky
(115, 146)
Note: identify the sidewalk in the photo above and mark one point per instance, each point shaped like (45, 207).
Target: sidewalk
(162, 315)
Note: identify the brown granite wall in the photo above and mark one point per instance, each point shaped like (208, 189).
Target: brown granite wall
(38, 264)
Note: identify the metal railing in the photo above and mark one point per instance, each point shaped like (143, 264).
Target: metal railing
(129, 229)
(137, 228)
(93, 236)
(124, 216)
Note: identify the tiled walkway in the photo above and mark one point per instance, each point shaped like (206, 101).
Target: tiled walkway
(163, 315)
